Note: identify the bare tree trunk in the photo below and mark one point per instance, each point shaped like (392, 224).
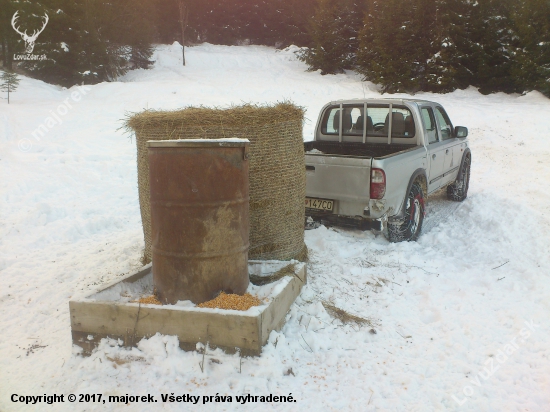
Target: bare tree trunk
(184, 15)
(183, 53)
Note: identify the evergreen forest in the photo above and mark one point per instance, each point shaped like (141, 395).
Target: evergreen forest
(403, 46)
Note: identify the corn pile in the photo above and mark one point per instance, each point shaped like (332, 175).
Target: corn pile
(231, 301)
(150, 300)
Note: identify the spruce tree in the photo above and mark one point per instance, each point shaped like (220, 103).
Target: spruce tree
(531, 46)
(451, 46)
(334, 36)
(391, 51)
(473, 46)
(490, 35)
(8, 37)
(8, 82)
(90, 41)
(295, 15)
(58, 43)
(437, 45)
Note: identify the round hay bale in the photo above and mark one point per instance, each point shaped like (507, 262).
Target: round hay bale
(277, 167)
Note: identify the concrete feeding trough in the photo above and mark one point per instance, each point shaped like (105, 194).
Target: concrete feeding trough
(111, 312)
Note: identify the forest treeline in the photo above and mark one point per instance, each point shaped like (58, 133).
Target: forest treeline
(435, 45)
(402, 45)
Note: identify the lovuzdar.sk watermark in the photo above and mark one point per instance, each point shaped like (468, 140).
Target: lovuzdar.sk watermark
(29, 39)
(503, 354)
(29, 57)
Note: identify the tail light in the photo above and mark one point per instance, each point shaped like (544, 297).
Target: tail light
(377, 184)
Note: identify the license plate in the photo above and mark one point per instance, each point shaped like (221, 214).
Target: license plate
(319, 204)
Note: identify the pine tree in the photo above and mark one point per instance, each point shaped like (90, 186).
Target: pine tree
(216, 21)
(90, 41)
(10, 41)
(58, 42)
(165, 21)
(7, 35)
(393, 45)
(8, 82)
(418, 37)
(490, 60)
(295, 15)
(452, 46)
(531, 46)
(437, 45)
(473, 46)
(334, 36)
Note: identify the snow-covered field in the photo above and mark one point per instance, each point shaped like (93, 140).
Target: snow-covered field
(462, 315)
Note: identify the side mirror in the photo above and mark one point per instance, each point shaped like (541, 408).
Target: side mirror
(461, 131)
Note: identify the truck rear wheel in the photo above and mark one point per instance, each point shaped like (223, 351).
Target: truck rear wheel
(409, 226)
(458, 190)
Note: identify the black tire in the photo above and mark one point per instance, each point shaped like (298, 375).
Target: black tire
(409, 226)
(458, 190)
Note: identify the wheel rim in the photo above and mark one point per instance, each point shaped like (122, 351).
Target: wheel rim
(415, 218)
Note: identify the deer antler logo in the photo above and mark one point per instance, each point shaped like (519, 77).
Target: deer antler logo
(29, 40)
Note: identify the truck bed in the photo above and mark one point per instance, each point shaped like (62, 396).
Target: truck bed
(356, 149)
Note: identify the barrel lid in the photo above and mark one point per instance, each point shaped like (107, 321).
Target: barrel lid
(227, 142)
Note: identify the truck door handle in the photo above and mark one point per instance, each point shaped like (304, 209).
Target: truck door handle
(447, 151)
(310, 168)
(433, 156)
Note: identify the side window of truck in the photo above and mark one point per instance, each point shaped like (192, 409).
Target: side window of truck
(331, 121)
(444, 124)
(429, 124)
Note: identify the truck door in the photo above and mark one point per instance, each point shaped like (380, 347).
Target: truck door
(436, 150)
(451, 143)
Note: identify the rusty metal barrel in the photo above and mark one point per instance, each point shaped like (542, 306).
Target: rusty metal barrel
(199, 218)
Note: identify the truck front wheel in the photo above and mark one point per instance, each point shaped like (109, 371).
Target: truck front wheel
(458, 190)
(408, 227)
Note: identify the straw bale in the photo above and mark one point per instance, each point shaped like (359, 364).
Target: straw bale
(276, 172)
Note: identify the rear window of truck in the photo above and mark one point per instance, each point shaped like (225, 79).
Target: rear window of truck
(377, 121)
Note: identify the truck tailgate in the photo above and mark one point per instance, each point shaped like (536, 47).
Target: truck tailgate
(346, 180)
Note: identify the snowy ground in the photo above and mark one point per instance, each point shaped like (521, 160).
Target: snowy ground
(450, 309)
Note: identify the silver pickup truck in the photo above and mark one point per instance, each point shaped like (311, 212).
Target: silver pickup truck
(370, 170)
